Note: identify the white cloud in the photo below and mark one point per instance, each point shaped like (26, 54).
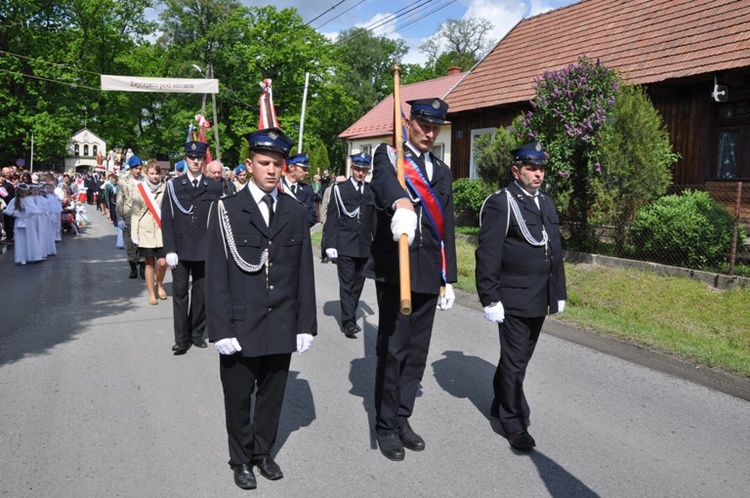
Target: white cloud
(503, 14)
(384, 28)
(539, 7)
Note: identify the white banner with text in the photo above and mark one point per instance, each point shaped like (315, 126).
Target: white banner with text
(165, 85)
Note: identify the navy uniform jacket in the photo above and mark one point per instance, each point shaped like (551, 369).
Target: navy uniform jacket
(527, 280)
(264, 310)
(424, 253)
(306, 196)
(350, 236)
(185, 234)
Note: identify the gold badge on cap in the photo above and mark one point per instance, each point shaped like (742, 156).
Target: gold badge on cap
(436, 104)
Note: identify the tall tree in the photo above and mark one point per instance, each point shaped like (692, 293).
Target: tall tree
(458, 42)
(245, 46)
(52, 55)
(368, 61)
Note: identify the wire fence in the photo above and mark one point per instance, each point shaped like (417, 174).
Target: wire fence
(701, 227)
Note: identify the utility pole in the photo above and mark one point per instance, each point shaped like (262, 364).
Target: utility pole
(302, 116)
(210, 70)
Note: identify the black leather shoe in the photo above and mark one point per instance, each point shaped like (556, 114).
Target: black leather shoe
(244, 477)
(521, 440)
(178, 350)
(133, 271)
(351, 329)
(409, 438)
(391, 446)
(268, 468)
(200, 344)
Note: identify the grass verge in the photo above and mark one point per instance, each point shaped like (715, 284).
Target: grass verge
(676, 315)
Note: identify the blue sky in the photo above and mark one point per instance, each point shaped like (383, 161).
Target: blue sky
(412, 20)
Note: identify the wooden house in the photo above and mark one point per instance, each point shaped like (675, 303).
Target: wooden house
(693, 57)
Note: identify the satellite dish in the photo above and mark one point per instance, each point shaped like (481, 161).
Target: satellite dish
(720, 92)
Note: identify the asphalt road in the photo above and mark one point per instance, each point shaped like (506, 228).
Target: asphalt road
(93, 404)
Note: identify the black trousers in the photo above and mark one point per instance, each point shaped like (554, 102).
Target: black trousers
(518, 338)
(188, 303)
(113, 212)
(351, 281)
(402, 347)
(252, 437)
(8, 224)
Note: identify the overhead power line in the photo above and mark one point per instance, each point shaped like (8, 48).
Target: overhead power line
(75, 85)
(336, 17)
(324, 13)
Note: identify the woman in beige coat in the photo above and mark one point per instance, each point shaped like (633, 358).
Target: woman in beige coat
(146, 230)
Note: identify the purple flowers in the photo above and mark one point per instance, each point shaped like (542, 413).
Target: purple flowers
(570, 107)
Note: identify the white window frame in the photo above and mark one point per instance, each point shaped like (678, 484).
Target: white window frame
(473, 173)
(438, 150)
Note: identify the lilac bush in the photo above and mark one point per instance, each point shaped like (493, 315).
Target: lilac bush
(570, 107)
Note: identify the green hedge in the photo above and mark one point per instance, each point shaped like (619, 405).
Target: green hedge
(690, 230)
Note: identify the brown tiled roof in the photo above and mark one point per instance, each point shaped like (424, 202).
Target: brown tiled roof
(647, 41)
(379, 121)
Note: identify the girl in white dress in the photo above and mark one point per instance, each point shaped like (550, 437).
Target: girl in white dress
(17, 209)
(48, 218)
(35, 226)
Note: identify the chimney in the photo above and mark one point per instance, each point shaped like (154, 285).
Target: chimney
(453, 70)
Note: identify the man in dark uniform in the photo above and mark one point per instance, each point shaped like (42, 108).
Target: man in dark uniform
(404, 341)
(520, 279)
(184, 214)
(349, 228)
(260, 292)
(296, 171)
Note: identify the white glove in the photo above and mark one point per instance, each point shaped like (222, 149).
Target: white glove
(445, 302)
(404, 221)
(332, 253)
(228, 346)
(561, 306)
(135, 240)
(304, 342)
(495, 313)
(121, 224)
(172, 260)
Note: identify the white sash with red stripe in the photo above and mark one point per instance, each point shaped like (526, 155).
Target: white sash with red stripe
(150, 201)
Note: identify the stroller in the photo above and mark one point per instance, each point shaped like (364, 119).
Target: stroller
(68, 217)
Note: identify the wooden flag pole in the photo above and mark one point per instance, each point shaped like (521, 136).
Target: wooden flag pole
(403, 241)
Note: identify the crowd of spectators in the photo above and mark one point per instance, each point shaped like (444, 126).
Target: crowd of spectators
(39, 207)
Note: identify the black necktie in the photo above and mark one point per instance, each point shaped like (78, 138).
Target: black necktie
(195, 183)
(359, 187)
(268, 199)
(294, 189)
